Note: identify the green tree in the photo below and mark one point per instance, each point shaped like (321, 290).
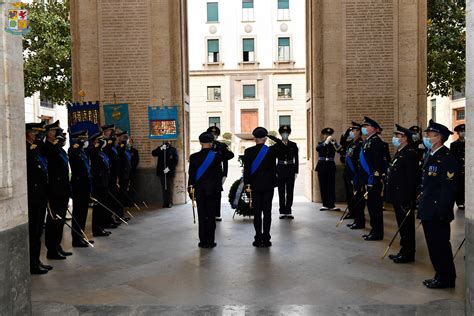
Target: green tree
(446, 46)
(47, 51)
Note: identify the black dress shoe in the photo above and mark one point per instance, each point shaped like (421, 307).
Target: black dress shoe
(205, 245)
(46, 266)
(438, 284)
(79, 244)
(357, 226)
(38, 270)
(218, 219)
(55, 256)
(111, 226)
(257, 244)
(404, 259)
(266, 244)
(102, 233)
(64, 253)
(373, 237)
(350, 224)
(425, 282)
(324, 208)
(393, 256)
(290, 216)
(283, 216)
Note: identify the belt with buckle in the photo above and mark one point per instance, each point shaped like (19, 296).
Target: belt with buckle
(285, 162)
(325, 159)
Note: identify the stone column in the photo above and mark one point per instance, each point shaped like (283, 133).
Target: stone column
(136, 50)
(364, 58)
(470, 159)
(15, 298)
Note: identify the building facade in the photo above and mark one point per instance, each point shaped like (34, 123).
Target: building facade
(247, 68)
(37, 109)
(449, 111)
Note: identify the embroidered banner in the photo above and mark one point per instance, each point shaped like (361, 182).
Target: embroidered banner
(163, 122)
(117, 114)
(83, 116)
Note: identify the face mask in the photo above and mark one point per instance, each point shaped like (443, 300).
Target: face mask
(351, 135)
(365, 132)
(396, 141)
(462, 134)
(427, 142)
(415, 137)
(285, 135)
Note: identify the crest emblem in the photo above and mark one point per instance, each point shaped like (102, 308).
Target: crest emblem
(450, 175)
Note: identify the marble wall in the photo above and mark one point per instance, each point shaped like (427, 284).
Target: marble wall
(14, 262)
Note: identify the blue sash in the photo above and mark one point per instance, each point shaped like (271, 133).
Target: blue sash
(365, 166)
(86, 163)
(64, 158)
(258, 160)
(128, 155)
(205, 165)
(104, 158)
(114, 150)
(352, 168)
(43, 163)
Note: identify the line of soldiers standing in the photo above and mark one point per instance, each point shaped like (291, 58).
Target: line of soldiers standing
(265, 167)
(101, 166)
(424, 174)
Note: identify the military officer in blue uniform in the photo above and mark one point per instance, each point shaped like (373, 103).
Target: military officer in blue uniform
(402, 184)
(440, 172)
(110, 150)
(371, 171)
(125, 170)
(37, 182)
(205, 185)
(260, 181)
(458, 150)
(167, 160)
(100, 185)
(287, 171)
(355, 200)
(326, 168)
(80, 184)
(59, 192)
(219, 146)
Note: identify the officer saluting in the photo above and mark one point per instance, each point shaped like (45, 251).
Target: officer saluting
(59, 191)
(402, 183)
(37, 180)
(205, 185)
(371, 170)
(356, 200)
(326, 169)
(80, 184)
(100, 185)
(440, 173)
(219, 146)
(458, 150)
(260, 182)
(287, 170)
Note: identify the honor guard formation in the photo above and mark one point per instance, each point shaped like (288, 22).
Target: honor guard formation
(95, 172)
(423, 180)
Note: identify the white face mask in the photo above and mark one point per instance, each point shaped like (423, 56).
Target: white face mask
(285, 135)
(462, 134)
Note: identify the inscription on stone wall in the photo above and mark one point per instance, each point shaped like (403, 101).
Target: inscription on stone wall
(125, 64)
(369, 55)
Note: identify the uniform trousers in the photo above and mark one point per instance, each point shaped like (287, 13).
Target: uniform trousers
(167, 189)
(114, 202)
(327, 182)
(124, 193)
(349, 190)
(437, 235)
(286, 186)
(357, 205)
(375, 207)
(53, 234)
(407, 231)
(80, 208)
(262, 205)
(99, 213)
(36, 216)
(207, 205)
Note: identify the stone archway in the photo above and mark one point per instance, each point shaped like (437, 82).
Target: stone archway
(331, 57)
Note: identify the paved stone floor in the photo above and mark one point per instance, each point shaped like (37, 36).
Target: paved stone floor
(312, 268)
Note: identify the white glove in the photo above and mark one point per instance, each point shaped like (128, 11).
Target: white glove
(166, 170)
(223, 180)
(328, 140)
(163, 147)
